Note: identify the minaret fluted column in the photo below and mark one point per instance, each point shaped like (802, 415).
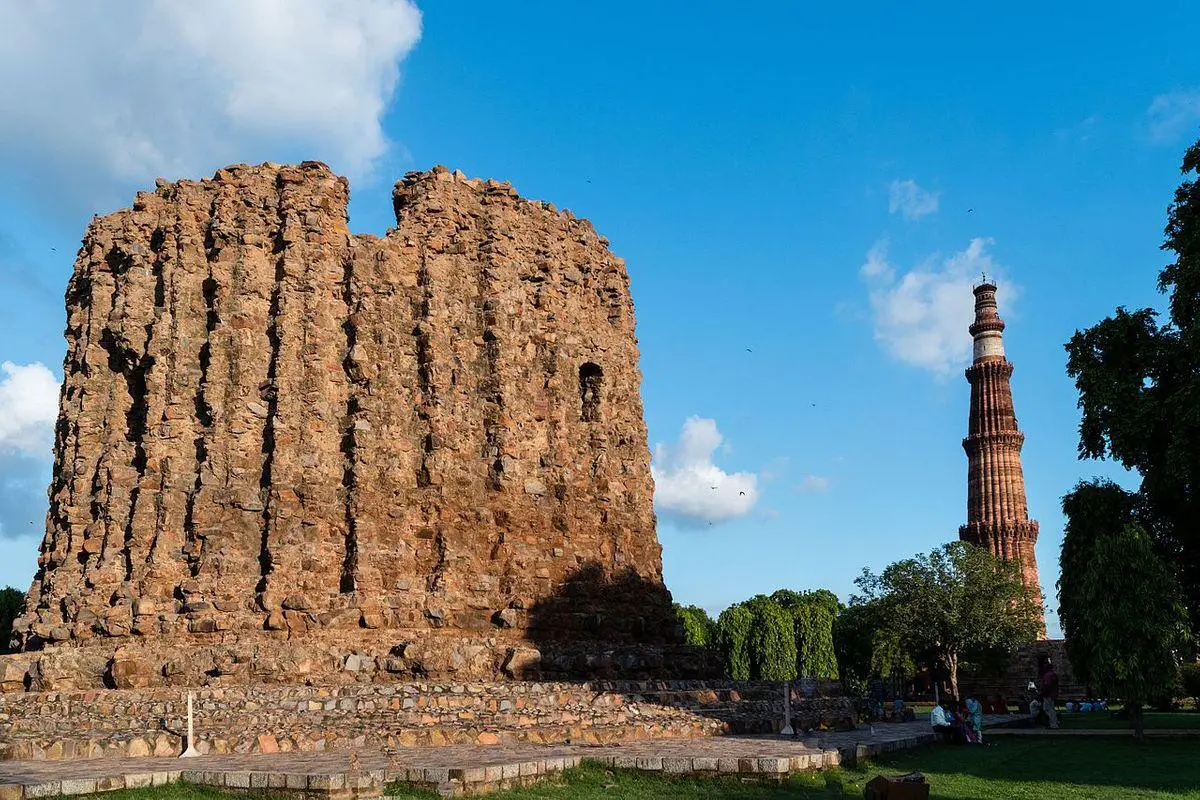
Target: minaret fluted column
(997, 512)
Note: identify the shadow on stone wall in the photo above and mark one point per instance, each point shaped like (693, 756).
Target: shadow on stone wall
(604, 626)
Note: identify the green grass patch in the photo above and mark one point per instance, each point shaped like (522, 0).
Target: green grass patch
(1155, 720)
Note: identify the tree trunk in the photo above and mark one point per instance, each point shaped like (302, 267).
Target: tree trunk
(1138, 722)
(952, 663)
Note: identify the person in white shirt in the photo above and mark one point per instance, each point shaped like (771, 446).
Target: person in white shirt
(940, 721)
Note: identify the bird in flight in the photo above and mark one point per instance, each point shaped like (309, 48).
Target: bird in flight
(748, 350)
(969, 210)
(742, 494)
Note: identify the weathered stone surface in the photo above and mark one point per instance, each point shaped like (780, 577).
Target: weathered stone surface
(282, 444)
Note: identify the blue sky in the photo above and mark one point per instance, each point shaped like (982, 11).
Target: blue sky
(747, 162)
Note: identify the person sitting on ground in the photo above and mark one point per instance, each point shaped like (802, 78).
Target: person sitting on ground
(942, 723)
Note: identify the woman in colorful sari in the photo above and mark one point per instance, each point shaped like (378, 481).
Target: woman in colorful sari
(974, 721)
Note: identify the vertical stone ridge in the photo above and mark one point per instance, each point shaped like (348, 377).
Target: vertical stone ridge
(997, 510)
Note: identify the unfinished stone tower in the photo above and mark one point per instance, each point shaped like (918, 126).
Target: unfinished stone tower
(285, 450)
(997, 514)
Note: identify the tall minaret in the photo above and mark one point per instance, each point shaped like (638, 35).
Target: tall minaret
(997, 515)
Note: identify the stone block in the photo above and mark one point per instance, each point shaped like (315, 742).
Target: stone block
(12, 791)
(293, 780)
(111, 783)
(649, 763)
(705, 764)
(772, 765)
(164, 777)
(237, 780)
(139, 780)
(435, 775)
(75, 786)
(677, 766)
(47, 789)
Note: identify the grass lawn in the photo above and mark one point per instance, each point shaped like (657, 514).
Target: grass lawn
(1103, 720)
(1060, 769)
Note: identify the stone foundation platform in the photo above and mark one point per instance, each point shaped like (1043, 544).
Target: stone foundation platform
(272, 719)
(464, 770)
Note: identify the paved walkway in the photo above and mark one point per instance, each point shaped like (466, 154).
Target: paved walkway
(460, 769)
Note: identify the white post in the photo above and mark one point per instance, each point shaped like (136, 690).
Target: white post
(190, 752)
(787, 710)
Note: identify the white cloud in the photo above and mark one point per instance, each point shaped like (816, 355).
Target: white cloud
(28, 409)
(1174, 114)
(922, 316)
(911, 200)
(690, 488)
(813, 484)
(102, 96)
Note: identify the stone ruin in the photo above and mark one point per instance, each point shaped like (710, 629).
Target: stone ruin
(289, 453)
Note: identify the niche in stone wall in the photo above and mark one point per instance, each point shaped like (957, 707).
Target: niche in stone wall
(591, 377)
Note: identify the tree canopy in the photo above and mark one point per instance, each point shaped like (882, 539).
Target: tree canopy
(959, 604)
(1123, 611)
(699, 629)
(1139, 393)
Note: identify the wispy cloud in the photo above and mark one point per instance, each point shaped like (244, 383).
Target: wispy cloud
(921, 316)
(910, 200)
(813, 484)
(1080, 132)
(692, 490)
(1173, 115)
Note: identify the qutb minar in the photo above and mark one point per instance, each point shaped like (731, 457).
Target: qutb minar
(997, 514)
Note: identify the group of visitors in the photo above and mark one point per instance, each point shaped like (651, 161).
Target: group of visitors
(1086, 706)
(958, 722)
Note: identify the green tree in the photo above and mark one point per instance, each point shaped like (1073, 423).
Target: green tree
(11, 603)
(959, 604)
(1139, 393)
(733, 640)
(1127, 618)
(815, 657)
(1093, 509)
(698, 628)
(772, 640)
